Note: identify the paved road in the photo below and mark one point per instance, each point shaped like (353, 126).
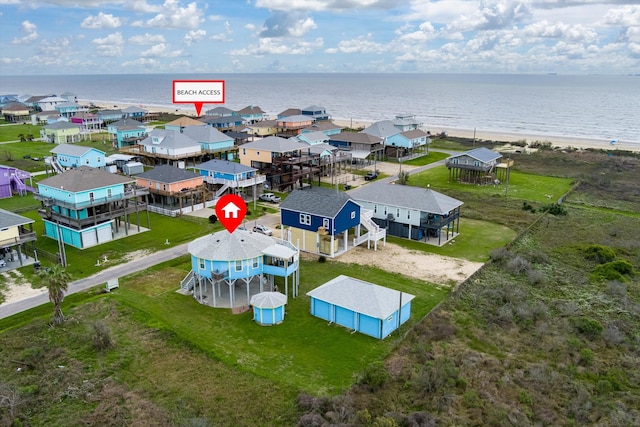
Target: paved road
(100, 278)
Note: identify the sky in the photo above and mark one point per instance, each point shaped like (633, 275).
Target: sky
(51, 37)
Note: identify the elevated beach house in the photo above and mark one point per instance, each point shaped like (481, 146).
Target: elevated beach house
(14, 181)
(293, 125)
(222, 177)
(174, 191)
(61, 132)
(364, 148)
(361, 306)
(411, 212)
(478, 166)
(127, 132)
(17, 238)
(223, 123)
(87, 121)
(16, 112)
(72, 156)
(84, 207)
(251, 113)
(399, 143)
(227, 269)
(326, 222)
(212, 141)
(316, 112)
(164, 146)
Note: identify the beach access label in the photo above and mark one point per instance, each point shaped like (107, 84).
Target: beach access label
(198, 92)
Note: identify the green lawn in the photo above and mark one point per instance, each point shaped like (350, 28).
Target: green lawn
(432, 157)
(475, 241)
(523, 186)
(11, 132)
(304, 351)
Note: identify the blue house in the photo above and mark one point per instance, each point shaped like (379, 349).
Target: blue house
(134, 112)
(211, 140)
(85, 206)
(107, 116)
(251, 113)
(361, 306)
(318, 220)
(327, 127)
(224, 262)
(73, 156)
(127, 131)
(223, 176)
(398, 143)
(220, 111)
(223, 122)
(69, 109)
(318, 113)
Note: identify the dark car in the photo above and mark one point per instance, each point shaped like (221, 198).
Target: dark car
(370, 176)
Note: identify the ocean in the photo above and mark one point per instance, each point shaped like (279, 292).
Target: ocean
(583, 106)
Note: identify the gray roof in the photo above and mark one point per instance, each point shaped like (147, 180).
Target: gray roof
(290, 112)
(361, 297)
(318, 201)
(276, 144)
(313, 108)
(322, 126)
(222, 119)
(382, 129)
(168, 174)
(224, 166)
(482, 154)
(205, 133)
(268, 300)
(225, 246)
(62, 124)
(85, 178)
(414, 133)
(406, 196)
(170, 139)
(73, 150)
(321, 148)
(9, 219)
(356, 137)
(222, 111)
(316, 135)
(127, 122)
(132, 109)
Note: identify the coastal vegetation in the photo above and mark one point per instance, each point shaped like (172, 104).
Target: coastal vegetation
(545, 334)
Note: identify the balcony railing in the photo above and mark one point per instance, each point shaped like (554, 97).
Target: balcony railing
(19, 239)
(135, 191)
(97, 218)
(259, 179)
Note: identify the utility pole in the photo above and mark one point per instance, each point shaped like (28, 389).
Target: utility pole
(506, 189)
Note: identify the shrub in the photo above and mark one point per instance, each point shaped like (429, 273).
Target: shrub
(591, 328)
(599, 253)
(554, 209)
(373, 376)
(213, 219)
(499, 254)
(615, 270)
(535, 277)
(101, 336)
(518, 265)
(322, 259)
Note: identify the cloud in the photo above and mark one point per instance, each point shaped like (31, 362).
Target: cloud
(28, 28)
(223, 37)
(283, 24)
(147, 39)
(161, 50)
(101, 21)
(9, 61)
(362, 44)
(628, 16)
(271, 46)
(194, 36)
(559, 30)
(495, 14)
(173, 16)
(328, 5)
(110, 46)
(144, 62)
(425, 32)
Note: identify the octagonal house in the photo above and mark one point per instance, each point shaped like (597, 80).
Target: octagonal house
(223, 263)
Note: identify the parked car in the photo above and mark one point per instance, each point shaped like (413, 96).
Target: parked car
(259, 228)
(270, 197)
(370, 176)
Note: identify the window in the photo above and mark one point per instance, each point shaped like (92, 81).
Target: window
(87, 161)
(108, 192)
(375, 208)
(164, 187)
(150, 183)
(353, 214)
(202, 267)
(476, 163)
(255, 263)
(325, 223)
(398, 213)
(305, 219)
(408, 214)
(257, 153)
(238, 265)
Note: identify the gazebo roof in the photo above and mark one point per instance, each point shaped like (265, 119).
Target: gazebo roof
(268, 300)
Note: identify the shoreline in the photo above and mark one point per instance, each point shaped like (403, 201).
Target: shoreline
(557, 141)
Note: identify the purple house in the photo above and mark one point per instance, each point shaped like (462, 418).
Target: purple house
(13, 180)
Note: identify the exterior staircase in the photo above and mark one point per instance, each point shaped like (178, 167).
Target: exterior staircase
(188, 282)
(374, 232)
(221, 190)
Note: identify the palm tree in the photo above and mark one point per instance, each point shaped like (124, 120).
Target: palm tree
(56, 279)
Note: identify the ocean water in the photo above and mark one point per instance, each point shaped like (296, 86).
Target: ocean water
(594, 106)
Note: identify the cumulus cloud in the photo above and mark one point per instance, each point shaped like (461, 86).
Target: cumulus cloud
(194, 36)
(425, 32)
(101, 21)
(492, 15)
(560, 30)
(161, 50)
(110, 45)
(30, 31)
(174, 16)
(147, 39)
(320, 5)
(224, 36)
(628, 16)
(271, 46)
(362, 44)
(284, 24)
(142, 62)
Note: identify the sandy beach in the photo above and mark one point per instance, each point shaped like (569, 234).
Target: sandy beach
(559, 141)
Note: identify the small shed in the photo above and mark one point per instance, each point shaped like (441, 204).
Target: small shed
(268, 307)
(362, 306)
(133, 168)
